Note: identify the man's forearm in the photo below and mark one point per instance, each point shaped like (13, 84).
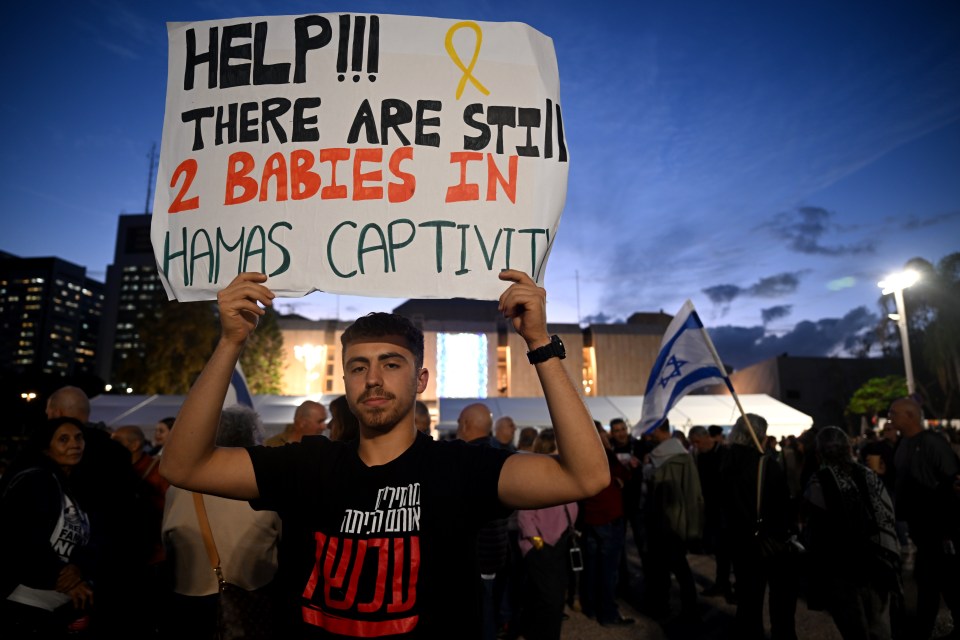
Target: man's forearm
(580, 450)
(193, 438)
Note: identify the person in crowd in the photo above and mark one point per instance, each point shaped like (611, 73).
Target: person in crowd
(309, 419)
(716, 434)
(750, 534)
(152, 489)
(879, 456)
(674, 513)
(545, 544)
(603, 538)
(528, 435)
(343, 424)
(475, 427)
(106, 486)
(854, 556)
(160, 433)
(421, 417)
(246, 541)
(398, 495)
(630, 453)
(503, 432)
(709, 454)
(47, 567)
(682, 437)
(927, 499)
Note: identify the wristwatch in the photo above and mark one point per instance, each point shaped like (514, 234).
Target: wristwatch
(553, 350)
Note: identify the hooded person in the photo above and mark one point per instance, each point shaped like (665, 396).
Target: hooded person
(674, 512)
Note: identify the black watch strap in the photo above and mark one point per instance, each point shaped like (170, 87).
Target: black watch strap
(554, 349)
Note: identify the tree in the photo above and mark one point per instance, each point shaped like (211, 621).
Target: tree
(177, 338)
(262, 357)
(876, 395)
(933, 321)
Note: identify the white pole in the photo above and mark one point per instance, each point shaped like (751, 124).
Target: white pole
(716, 358)
(904, 339)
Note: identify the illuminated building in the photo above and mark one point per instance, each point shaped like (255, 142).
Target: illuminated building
(50, 314)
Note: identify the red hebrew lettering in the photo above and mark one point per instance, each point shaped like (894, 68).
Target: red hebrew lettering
(399, 603)
(335, 580)
(382, 566)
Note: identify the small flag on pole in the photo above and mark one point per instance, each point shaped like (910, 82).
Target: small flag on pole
(238, 393)
(687, 361)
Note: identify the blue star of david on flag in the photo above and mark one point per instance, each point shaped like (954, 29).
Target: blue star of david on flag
(687, 361)
(676, 364)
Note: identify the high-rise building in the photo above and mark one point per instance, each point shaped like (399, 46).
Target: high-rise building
(133, 290)
(50, 315)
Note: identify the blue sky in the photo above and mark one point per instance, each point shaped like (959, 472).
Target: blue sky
(769, 161)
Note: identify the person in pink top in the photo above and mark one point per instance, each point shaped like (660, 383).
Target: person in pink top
(545, 544)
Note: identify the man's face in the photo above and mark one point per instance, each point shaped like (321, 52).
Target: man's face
(505, 430)
(619, 434)
(904, 419)
(382, 382)
(703, 443)
(314, 421)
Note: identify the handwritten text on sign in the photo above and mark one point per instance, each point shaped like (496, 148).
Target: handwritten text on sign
(372, 155)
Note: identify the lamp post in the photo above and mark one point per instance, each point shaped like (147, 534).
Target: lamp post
(895, 284)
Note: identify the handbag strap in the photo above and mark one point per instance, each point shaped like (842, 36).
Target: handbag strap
(759, 489)
(207, 533)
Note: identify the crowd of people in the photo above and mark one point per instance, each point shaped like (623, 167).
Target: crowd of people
(355, 522)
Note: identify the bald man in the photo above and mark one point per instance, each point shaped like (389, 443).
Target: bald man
(310, 419)
(475, 424)
(927, 470)
(69, 402)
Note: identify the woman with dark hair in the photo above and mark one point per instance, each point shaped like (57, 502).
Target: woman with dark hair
(44, 534)
(852, 541)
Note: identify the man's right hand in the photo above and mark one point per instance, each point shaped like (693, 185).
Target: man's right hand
(239, 311)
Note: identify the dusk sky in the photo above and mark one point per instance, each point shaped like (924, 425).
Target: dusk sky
(769, 161)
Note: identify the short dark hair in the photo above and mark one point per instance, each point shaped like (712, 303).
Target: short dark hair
(663, 425)
(715, 431)
(380, 325)
(617, 421)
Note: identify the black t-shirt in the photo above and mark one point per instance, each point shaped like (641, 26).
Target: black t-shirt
(381, 551)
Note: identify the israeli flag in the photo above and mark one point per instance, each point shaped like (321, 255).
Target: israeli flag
(238, 392)
(687, 361)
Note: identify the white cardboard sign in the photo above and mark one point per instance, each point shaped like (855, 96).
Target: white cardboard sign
(370, 155)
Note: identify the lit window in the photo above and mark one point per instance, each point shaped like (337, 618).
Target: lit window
(462, 365)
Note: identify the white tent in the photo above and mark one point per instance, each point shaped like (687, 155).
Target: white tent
(277, 411)
(690, 411)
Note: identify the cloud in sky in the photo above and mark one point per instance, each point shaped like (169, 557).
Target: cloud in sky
(916, 222)
(743, 346)
(775, 313)
(774, 286)
(804, 230)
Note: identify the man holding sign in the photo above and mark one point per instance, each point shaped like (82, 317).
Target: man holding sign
(387, 548)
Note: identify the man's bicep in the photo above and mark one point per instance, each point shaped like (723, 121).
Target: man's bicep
(533, 481)
(228, 473)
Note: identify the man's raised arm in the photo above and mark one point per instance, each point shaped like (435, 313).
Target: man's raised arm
(581, 470)
(191, 460)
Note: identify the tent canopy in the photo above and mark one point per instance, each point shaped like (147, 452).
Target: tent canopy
(277, 411)
(690, 411)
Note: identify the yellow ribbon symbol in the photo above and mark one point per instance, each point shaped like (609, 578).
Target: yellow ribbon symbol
(467, 70)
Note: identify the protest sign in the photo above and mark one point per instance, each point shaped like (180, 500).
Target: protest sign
(360, 154)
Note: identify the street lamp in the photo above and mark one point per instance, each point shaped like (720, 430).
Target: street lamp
(895, 284)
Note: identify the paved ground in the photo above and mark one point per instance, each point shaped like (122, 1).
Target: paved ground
(717, 615)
